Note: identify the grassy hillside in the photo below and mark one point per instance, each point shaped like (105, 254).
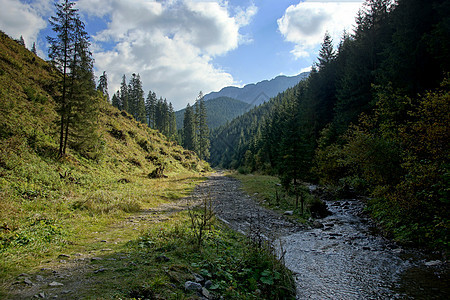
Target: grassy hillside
(220, 111)
(48, 204)
(102, 226)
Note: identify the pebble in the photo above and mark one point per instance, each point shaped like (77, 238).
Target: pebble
(100, 270)
(55, 283)
(432, 263)
(192, 286)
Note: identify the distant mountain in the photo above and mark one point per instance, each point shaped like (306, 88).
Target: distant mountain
(219, 110)
(231, 102)
(260, 92)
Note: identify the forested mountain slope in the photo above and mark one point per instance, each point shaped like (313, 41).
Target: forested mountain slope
(219, 111)
(373, 117)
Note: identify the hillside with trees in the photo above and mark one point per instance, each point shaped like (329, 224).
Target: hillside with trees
(219, 111)
(156, 113)
(372, 118)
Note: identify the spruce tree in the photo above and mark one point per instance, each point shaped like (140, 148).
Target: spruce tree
(33, 48)
(60, 52)
(189, 129)
(115, 101)
(124, 94)
(203, 130)
(21, 41)
(103, 85)
(150, 107)
(138, 93)
(172, 123)
(69, 52)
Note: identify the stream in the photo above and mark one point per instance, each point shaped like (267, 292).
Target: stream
(340, 256)
(345, 260)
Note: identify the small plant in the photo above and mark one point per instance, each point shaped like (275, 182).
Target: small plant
(201, 219)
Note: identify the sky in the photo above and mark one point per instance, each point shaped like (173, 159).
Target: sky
(182, 47)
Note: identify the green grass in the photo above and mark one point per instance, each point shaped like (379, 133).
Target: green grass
(269, 192)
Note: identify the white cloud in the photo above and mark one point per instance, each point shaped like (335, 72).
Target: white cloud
(18, 19)
(305, 24)
(169, 43)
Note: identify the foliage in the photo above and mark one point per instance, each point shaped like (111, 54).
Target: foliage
(238, 268)
(370, 118)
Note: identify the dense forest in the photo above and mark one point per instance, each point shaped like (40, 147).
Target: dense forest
(195, 132)
(157, 113)
(373, 118)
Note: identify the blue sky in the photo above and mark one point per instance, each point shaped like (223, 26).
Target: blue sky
(181, 47)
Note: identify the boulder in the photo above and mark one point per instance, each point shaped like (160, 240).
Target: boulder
(192, 286)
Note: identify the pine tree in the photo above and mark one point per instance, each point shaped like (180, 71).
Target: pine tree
(115, 101)
(150, 107)
(60, 52)
(140, 101)
(124, 94)
(326, 52)
(203, 130)
(172, 123)
(21, 41)
(103, 85)
(189, 129)
(33, 48)
(69, 51)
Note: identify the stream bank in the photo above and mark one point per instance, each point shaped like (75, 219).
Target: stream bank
(340, 258)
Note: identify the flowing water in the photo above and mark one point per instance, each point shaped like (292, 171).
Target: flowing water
(344, 260)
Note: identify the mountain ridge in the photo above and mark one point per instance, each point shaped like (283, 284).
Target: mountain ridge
(231, 101)
(262, 91)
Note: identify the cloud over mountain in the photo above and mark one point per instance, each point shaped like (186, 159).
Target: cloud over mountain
(170, 43)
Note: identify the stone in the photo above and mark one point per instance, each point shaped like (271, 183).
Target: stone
(207, 293)
(192, 286)
(208, 284)
(55, 283)
(27, 281)
(432, 263)
(317, 224)
(198, 278)
(288, 213)
(96, 258)
(162, 258)
(41, 295)
(100, 270)
(63, 256)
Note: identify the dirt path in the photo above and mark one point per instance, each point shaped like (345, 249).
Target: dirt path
(241, 212)
(68, 275)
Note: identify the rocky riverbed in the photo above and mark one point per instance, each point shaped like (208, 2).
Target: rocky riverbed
(338, 257)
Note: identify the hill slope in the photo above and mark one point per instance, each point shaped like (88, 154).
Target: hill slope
(257, 93)
(219, 110)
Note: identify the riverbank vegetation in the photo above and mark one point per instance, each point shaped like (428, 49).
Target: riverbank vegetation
(372, 118)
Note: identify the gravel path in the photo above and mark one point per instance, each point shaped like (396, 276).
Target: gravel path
(240, 211)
